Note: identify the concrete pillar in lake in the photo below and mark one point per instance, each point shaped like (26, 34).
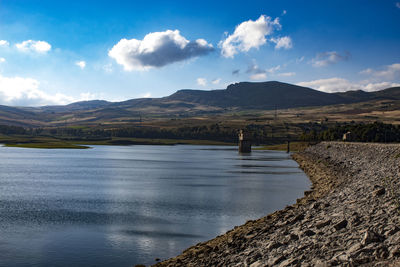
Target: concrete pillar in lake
(244, 142)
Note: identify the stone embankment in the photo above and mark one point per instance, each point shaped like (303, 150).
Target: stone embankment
(350, 217)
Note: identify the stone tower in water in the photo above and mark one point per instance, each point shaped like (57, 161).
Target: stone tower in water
(244, 142)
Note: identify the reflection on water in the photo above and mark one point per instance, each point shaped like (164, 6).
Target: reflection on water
(121, 206)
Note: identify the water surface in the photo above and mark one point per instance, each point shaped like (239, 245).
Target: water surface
(121, 206)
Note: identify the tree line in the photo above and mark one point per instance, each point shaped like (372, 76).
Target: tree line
(360, 132)
(260, 134)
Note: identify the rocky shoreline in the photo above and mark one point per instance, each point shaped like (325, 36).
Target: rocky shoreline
(350, 217)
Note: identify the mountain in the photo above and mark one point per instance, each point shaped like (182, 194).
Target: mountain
(239, 96)
(262, 95)
(271, 95)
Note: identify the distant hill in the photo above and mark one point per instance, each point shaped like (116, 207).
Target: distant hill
(81, 105)
(270, 95)
(186, 102)
(262, 95)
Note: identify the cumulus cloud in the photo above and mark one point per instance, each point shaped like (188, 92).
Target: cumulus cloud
(282, 42)
(249, 34)
(157, 49)
(21, 91)
(328, 58)
(2, 59)
(333, 85)
(389, 72)
(4, 43)
(216, 81)
(201, 81)
(81, 64)
(34, 46)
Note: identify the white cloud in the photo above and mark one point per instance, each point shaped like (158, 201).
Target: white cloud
(274, 69)
(284, 12)
(216, 81)
(34, 46)
(398, 4)
(108, 68)
(201, 81)
(256, 73)
(86, 97)
(247, 35)
(4, 43)
(81, 64)
(262, 74)
(282, 42)
(333, 85)
(258, 76)
(146, 95)
(328, 58)
(2, 59)
(21, 91)
(377, 80)
(157, 49)
(368, 71)
(370, 87)
(389, 72)
(287, 74)
(25, 92)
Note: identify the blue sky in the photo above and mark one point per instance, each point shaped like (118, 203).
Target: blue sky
(57, 52)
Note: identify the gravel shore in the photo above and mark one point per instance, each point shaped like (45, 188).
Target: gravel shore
(350, 217)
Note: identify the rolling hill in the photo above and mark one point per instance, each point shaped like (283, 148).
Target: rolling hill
(236, 97)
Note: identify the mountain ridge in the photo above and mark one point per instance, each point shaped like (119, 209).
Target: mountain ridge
(235, 96)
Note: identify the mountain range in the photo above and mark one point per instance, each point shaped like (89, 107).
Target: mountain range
(239, 96)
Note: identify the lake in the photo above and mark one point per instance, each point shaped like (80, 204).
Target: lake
(127, 205)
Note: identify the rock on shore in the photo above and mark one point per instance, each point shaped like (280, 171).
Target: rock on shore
(350, 217)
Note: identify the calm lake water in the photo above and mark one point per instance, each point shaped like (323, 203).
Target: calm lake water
(121, 206)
